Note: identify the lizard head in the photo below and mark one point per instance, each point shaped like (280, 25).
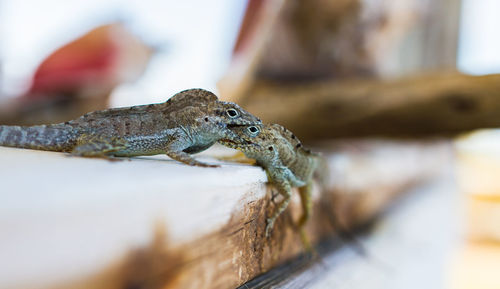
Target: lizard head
(242, 137)
(232, 114)
(257, 142)
(222, 116)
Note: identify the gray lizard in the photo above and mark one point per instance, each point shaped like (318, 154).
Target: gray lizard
(189, 122)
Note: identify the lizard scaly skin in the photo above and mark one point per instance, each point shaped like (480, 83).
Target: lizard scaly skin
(287, 163)
(189, 122)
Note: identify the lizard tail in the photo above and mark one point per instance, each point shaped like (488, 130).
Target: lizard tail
(56, 137)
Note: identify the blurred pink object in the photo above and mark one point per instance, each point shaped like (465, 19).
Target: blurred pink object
(104, 57)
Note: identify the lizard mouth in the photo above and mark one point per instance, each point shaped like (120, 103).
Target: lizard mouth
(236, 143)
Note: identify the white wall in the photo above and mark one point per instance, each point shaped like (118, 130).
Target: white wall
(479, 43)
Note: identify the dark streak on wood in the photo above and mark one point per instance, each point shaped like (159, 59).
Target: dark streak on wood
(235, 232)
(248, 222)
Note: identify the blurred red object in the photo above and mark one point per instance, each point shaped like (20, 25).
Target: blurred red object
(80, 76)
(248, 26)
(106, 56)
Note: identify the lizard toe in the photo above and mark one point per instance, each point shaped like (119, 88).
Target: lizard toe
(269, 226)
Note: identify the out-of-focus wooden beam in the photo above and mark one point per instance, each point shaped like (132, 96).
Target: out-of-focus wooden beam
(425, 105)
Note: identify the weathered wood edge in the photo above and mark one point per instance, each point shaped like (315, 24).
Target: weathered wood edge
(409, 243)
(366, 178)
(238, 252)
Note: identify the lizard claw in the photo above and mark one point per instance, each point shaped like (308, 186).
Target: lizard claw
(212, 166)
(204, 165)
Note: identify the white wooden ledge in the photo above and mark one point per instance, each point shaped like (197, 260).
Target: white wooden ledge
(68, 222)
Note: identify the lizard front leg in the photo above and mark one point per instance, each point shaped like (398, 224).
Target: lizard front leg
(174, 150)
(187, 159)
(285, 190)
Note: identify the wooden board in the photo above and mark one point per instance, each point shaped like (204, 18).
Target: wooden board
(153, 223)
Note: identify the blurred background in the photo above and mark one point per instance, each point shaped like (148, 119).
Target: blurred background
(191, 42)
(60, 60)
(411, 70)
(160, 48)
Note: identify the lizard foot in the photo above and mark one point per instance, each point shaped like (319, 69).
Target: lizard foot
(187, 159)
(195, 163)
(103, 157)
(114, 159)
(204, 165)
(269, 226)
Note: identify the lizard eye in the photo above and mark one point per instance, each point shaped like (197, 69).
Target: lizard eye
(253, 130)
(232, 113)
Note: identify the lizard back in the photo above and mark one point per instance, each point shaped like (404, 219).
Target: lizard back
(301, 161)
(143, 119)
(120, 122)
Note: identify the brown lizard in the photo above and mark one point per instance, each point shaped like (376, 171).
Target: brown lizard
(287, 163)
(189, 122)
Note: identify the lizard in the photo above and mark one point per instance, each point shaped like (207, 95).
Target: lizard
(189, 122)
(287, 163)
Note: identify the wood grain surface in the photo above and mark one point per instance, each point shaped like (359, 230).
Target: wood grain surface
(150, 222)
